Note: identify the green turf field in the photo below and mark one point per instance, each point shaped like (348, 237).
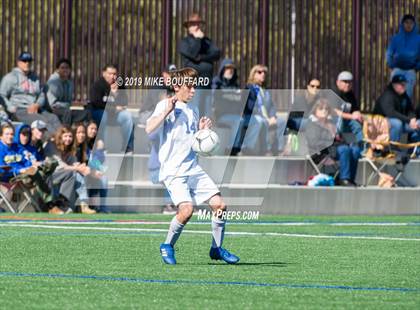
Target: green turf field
(110, 262)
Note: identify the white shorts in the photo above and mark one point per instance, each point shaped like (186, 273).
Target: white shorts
(196, 188)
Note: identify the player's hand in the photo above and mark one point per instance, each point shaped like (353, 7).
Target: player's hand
(205, 123)
(272, 121)
(119, 108)
(413, 124)
(170, 106)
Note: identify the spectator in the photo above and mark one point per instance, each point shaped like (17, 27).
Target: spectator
(62, 149)
(23, 138)
(260, 114)
(20, 166)
(349, 117)
(395, 104)
(23, 96)
(107, 93)
(200, 53)
(228, 105)
(303, 105)
(60, 94)
(320, 131)
(38, 129)
(153, 96)
(96, 180)
(403, 53)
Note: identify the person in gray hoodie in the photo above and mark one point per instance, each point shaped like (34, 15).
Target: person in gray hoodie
(23, 95)
(60, 94)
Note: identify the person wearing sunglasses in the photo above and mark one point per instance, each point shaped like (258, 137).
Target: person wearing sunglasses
(303, 104)
(23, 95)
(326, 145)
(260, 117)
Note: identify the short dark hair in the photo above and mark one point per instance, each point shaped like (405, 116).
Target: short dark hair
(62, 61)
(112, 66)
(408, 16)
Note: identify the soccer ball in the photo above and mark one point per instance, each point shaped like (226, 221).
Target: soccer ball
(206, 142)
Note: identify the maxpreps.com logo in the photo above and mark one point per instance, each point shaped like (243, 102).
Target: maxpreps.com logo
(203, 215)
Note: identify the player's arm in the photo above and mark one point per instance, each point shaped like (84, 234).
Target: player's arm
(156, 121)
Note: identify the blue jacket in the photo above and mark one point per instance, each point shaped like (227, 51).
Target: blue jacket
(30, 152)
(404, 49)
(13, 157)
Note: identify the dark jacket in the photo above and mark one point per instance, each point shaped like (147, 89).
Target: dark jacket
(392, 105)
(226, 93)
(346, 97)
(404, 49)
(100, 95)
(255, 102)
(302, 107)
(31, 153)
(320, 141)
(199, 54)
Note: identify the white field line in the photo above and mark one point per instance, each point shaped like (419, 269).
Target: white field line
(236, 233)
(65, 222)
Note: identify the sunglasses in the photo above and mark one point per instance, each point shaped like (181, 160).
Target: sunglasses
(261, 71)
(315, 86)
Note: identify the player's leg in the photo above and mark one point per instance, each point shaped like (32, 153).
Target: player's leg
(218, 223)
(179, 192)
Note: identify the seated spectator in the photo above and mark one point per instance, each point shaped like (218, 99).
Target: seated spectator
(23, 138)
(60, 94)
(38, 129)
(228, 105)
(321, 131)
(395, 105)
(105, 92)
(62, 149)
(97, 181)
(303, 105)
(350, 119)
(260, 114)
(23, 96)
(156, 94)
(403, 53)
(13, 157)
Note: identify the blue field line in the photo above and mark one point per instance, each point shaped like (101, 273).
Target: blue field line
(201, 282)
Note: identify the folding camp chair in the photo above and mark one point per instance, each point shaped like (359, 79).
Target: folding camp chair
(17, 188)
(380, 152)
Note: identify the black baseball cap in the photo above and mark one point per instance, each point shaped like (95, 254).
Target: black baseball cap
(398, 78)
(25, 56)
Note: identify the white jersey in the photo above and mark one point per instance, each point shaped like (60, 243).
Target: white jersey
(176, 136)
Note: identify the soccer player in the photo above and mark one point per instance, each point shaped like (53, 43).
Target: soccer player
(187, 183)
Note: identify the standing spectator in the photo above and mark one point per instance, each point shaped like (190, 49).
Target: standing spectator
(23, 96)
(403, 53)
(105, 92)
(349, 117)
(321, 132)
(303, 105)
(395, 104)
(60, 94)
(200, 53)
(228, 105)
(260, 114)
